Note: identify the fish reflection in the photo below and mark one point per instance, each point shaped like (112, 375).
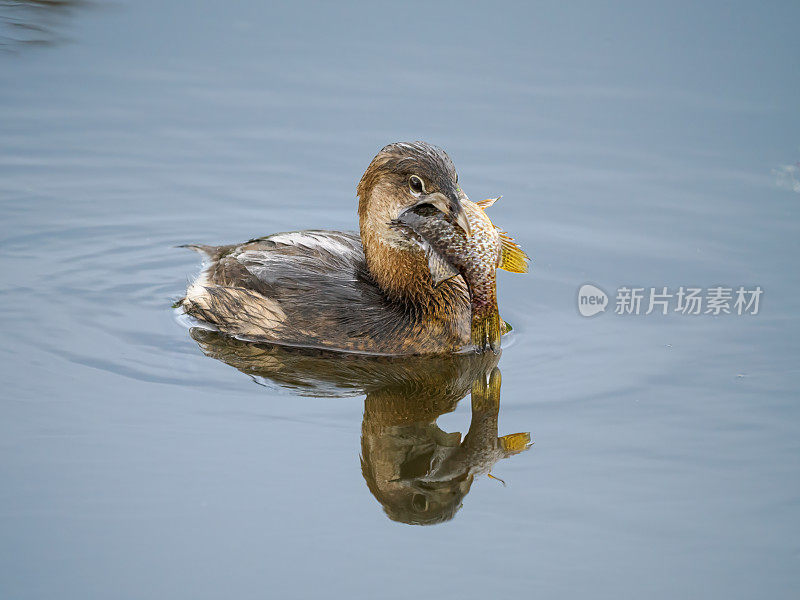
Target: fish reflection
(418, 472)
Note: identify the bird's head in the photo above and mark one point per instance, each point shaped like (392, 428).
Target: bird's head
(401, 176)
(404, 175)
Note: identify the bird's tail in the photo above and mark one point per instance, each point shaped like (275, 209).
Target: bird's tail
(207, 251)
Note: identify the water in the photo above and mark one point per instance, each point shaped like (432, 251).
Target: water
(633, 146)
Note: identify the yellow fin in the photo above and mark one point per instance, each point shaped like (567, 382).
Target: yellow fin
(486, 388)
(484, 204)
(486, 332)
(512, 258)
(515, 442)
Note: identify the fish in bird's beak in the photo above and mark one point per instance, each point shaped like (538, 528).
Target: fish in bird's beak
(449, 206)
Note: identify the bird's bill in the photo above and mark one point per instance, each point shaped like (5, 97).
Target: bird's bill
(448, 206)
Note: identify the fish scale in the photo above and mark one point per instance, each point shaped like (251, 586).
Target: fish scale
(476, 258)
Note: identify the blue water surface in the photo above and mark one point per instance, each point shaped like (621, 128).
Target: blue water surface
(633, 145)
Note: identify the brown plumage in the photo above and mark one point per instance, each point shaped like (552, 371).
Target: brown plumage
(371, 293)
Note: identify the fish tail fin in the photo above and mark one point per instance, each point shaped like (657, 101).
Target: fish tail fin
(514, 443)
(486, 331)
(486, 388)
(512, 258)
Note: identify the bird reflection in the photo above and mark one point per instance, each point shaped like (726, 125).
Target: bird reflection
(418, 472)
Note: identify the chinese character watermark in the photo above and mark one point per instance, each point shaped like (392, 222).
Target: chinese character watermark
(684, 300)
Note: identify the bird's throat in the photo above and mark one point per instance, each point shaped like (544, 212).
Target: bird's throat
(402, 273)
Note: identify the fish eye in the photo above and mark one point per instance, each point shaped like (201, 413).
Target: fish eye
(415, 185)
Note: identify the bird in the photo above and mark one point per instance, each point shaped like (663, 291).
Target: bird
(369, 291)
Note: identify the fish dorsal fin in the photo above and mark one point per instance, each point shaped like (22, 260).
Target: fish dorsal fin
(441, 270)
(512, 258)
(484, 204)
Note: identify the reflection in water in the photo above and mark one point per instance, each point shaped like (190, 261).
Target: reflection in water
(417, 471)
(33, 22)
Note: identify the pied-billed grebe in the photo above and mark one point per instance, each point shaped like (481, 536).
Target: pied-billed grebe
(336, 290)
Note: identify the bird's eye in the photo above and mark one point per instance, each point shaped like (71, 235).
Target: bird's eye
(415, 185)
